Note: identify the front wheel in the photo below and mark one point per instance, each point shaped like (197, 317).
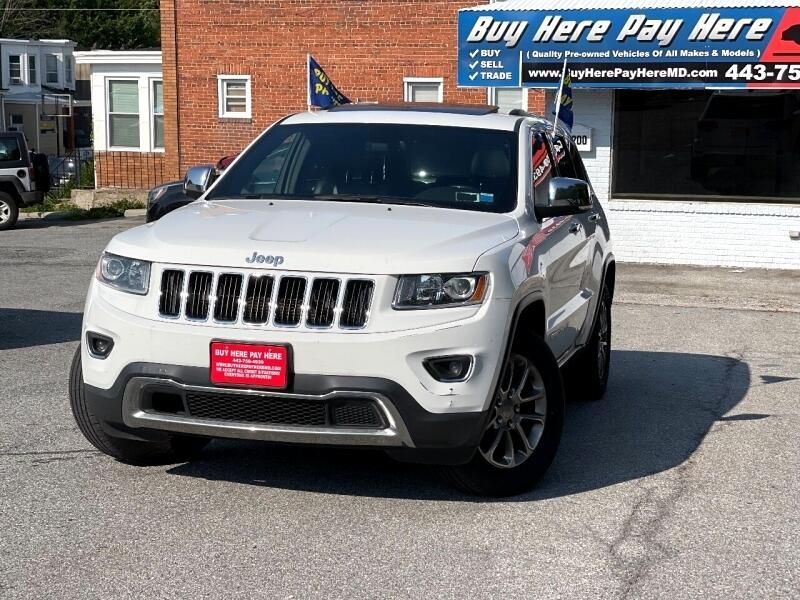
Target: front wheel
(175, 448)
(524, 429)
(9, 212)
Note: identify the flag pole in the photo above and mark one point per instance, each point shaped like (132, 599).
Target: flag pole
(558, 99)
(308, 81)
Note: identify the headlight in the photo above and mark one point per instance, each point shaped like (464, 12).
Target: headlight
(440, 290)
(126, 274)
(155, 194)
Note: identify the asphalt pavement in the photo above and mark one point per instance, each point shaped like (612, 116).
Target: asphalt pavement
(684, 482)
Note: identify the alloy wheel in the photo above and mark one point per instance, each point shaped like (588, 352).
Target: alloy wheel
(519, 414)
(5, 211)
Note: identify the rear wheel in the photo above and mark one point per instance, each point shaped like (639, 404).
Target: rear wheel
(9, 211)
(524, 429)
(588, 373)
(176, 448)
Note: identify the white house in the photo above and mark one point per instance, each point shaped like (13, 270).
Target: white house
(38, 81)
(127, 99)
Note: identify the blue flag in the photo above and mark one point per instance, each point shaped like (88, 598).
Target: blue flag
(563, 108)
(321, 91)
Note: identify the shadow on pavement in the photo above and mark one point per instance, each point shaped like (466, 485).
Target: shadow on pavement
(24, 328)
(658, 408)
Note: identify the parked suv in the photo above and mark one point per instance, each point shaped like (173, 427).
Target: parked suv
(24, 177)
(405, 278)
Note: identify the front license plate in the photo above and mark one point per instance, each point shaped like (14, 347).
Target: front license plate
(256, 365)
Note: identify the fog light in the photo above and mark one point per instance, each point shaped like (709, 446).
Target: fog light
(99, 346)
(449, 369)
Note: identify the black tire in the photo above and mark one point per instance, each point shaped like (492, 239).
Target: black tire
(9, 211)
(176, 448)
(482, 477)
(588, 372)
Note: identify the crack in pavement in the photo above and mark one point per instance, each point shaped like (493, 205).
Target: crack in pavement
(636, 549)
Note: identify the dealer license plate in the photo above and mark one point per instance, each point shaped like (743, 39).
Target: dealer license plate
(253, 365)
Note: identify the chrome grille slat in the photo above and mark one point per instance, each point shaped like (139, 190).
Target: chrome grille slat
(356, 304)
(229, 290)
(198, 297)
(257, 298)
(169, 303)
(322, 303)
(265, 299)
(288, 308)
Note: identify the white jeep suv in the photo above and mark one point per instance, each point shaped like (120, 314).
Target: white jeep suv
(412, 278)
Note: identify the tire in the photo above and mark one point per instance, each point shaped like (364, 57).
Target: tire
(537, 406)
(176, 448)
(588, 373)
(9, 211)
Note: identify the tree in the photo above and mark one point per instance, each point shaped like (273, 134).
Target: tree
(93, 24)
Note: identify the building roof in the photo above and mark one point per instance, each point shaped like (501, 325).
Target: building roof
(556, 5)
(38, 42)
(128, 57)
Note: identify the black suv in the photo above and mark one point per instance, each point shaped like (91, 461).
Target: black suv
(24, 177)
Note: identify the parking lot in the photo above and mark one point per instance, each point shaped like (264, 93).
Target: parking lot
(684, 482)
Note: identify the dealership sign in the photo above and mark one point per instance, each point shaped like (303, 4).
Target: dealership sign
(630, 48)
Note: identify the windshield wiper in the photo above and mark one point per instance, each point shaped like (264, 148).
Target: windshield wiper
(368, 198)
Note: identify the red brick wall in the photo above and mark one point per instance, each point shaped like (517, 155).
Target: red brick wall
(131, 170)
(366, 47)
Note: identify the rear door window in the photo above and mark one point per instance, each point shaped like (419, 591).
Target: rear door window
(9, 149)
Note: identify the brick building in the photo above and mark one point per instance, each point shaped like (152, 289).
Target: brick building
(672, 190)
(374, 50)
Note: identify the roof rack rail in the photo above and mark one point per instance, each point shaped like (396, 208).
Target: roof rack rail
(518, 112)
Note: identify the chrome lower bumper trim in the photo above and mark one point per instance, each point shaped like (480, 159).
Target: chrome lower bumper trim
(395, 434)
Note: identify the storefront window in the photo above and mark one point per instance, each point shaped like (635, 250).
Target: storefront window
(712, 145)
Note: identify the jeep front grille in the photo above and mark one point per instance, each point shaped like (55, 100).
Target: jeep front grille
(258, 299)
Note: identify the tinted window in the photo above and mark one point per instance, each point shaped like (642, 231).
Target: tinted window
(541, 169)
(713, 145)
(472, 169)
(9, 149)
(563, 158)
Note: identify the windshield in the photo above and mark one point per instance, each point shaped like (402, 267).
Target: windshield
(453, 167)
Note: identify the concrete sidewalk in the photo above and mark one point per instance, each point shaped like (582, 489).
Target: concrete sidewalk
(709, 287)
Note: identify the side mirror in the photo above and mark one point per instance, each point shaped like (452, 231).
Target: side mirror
(567, 196)
(198, 180)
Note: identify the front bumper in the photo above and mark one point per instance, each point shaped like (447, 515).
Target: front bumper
(406, 431)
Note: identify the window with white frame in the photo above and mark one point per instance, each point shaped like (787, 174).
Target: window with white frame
(32, 75)
(234, 96)
(68, 69)
(51, 68)
(15, 69)
(423, 89)
(507, 99)
(123, 113)
(157, 110)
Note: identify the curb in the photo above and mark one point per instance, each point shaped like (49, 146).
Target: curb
(135, 212)
(51, 216)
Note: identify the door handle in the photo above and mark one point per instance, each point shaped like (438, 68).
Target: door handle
(595, 217)
(574, 227)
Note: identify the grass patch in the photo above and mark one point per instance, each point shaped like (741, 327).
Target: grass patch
(50, 204)
(115, 209)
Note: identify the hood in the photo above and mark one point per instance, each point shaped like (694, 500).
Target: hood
(317, 236)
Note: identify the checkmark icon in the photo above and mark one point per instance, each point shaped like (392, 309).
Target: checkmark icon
(472, 65)
(473, 76)
(474, 53)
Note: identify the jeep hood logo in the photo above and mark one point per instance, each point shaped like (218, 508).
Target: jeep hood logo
(265, 259)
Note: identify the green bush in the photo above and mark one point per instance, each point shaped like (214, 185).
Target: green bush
(115, 209)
